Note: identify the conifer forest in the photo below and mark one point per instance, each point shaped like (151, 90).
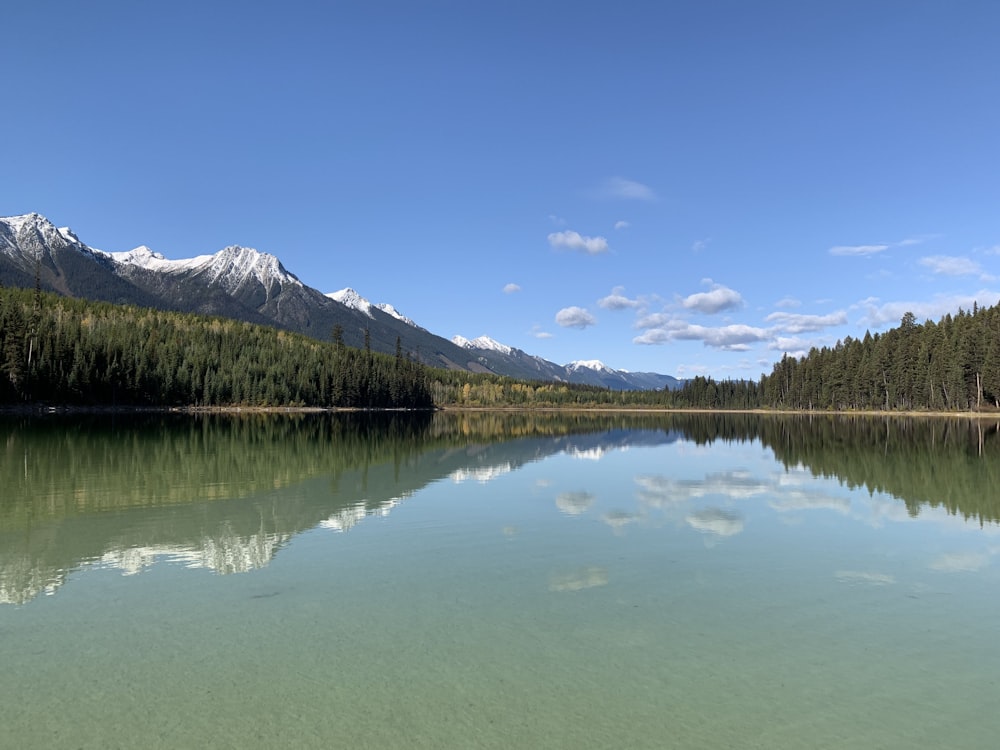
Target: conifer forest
(62, 351)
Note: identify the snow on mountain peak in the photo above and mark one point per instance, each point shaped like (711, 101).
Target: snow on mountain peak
(36, 222)
(355, 301)
(144, 257)
(17, 223)
(590, 364)
(482, 342)
(234, 264)
(69, 235)
(229, 268)
(352, 299)
(390, 310)
(29, 234)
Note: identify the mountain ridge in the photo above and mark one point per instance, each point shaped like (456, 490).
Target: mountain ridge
(246, 284)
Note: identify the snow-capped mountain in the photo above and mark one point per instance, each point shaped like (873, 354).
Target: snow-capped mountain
(352, 299)
(27, 237)
(500, 357)
(230, 268)
(483, 342)
(31, 248)
(390, 310)
(589, 364)
(595, 372)
(246, 284)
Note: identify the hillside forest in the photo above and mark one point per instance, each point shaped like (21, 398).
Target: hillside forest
(62, 351)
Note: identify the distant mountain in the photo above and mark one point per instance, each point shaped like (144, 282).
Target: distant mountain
(245, 284)
(595, 372)
(496, 356)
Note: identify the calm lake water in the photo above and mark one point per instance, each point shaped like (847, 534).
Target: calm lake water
(499, 581)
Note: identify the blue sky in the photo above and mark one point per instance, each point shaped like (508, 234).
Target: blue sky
(680, 187)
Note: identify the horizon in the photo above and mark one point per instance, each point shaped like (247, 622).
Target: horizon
(676, 188)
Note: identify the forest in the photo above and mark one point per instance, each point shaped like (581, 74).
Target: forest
(951, 365)
(61, 351)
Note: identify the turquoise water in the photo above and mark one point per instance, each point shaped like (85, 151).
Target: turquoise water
(616, 588)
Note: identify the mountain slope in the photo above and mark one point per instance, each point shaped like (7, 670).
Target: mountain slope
(246, 284)
(32, 248)
(236, 282)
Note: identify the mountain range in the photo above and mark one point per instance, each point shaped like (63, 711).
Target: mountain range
(245, 284)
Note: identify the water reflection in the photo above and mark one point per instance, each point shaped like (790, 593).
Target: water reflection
(577, 580)
(863, 577)
(222, 554)
(962, 562)
(482, 474)
(659, 490)
(228, 493)
(716, 521)
(574, 503)
(619, 519)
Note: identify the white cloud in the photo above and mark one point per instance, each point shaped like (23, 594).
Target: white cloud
(657, 320)
(732, 337)
(617, 300)
(880, 247)
(570, 240)
(685, 371)
(791, 345)
(892, 312)
(653, 337)
(858, 249)
(622, 225)
(700, 245)
(787, 302)
(918, 240)
(623, 189)
(950, 265)
(736, 337)
(718, 299)
(558, 221)
(511, 288)
(793, 323)
(538, 333)
(575, 317)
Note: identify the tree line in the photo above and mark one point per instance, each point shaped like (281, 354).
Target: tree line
(950, 365)
(59, 350)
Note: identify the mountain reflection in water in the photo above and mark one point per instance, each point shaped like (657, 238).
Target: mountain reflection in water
(226, 492)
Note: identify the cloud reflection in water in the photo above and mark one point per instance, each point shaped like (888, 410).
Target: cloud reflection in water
(577, 580)
(574, 503)
(716, 521)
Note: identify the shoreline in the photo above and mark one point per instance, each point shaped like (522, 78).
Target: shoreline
(41, 410)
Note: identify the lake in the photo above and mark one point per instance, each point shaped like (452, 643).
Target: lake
(499, 580)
